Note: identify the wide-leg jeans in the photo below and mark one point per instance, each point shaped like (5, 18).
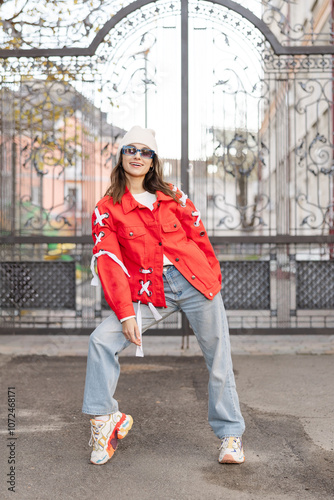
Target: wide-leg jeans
(209, 323)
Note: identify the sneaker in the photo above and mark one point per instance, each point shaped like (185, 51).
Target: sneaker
(231, 451)
(105, 434)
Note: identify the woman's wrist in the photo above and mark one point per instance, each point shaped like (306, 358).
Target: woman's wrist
(128, 317)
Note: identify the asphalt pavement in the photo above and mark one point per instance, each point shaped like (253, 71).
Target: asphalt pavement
(171, 453)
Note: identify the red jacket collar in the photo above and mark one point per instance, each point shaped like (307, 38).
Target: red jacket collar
(129, 203)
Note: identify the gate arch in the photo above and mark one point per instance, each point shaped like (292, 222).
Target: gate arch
(278, 48)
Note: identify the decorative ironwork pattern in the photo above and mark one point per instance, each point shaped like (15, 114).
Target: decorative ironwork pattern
(315, 285)
(283, 18)
(68, 23)
(246, 172)
(303, 64)
(245, 285)
(231, 20)
(77, 23)
(37, 285)
(48, 132)
(250, 141)
(241, 158)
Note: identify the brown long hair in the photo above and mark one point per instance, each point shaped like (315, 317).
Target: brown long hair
(153, 181)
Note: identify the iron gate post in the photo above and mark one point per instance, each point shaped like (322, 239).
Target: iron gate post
(184, 96)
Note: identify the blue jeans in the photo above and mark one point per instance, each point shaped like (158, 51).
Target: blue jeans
(209, 323)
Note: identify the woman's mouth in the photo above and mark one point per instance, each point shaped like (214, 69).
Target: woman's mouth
(133, 164)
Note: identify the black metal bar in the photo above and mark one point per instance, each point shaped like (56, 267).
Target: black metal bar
(282, 331)
(331, 108)
(185, 328)
(34, 53)
(277, 240)
(39, 239)
(13, 165)
(121, 14)
(304, 50)
(173, 332)
(184, 97)
(168, 332)
(215, 240)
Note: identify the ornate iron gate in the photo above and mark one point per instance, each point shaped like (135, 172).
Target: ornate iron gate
(244, 100)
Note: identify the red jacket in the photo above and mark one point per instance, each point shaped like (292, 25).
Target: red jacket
(130, 241)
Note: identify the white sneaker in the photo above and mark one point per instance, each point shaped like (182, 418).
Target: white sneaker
(105, 434)
(231, 451)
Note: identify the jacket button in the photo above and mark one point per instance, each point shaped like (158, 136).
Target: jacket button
(131, 233)
(175, 225)
(193, 277)
(160, 244)
(211, 294)
(202, 233)
(177, 259)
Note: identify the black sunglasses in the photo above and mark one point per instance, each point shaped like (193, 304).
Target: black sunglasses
(131, 151)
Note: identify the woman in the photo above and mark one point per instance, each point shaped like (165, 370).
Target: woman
(154, 258)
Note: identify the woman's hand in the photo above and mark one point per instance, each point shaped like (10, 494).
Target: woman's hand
(131, 331)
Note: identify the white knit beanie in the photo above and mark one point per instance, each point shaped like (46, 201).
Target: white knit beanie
(138, 135)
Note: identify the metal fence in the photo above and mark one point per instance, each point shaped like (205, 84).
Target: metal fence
(251, 142)
(266, 288)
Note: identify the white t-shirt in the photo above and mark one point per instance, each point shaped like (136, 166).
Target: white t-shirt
(147, 199)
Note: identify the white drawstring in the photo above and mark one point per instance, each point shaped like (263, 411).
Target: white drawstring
(146, 271)
(183, 200)
(144, 288)
(157, 316)
(99, 237)
(95, 280)
(100, 217)
(183, 197)
(197, 214)
(155, 313)
(139, 350)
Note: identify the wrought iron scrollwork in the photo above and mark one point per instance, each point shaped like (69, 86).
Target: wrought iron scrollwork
(38, 217)
(300, 64)
(316, 91)
(278, 14)
(318, 216)
(239, 159)
(25, 25)
(316, 159)
(138, 74)
(247, 217)
(231, 82)
(242, 157)
(49, 148)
